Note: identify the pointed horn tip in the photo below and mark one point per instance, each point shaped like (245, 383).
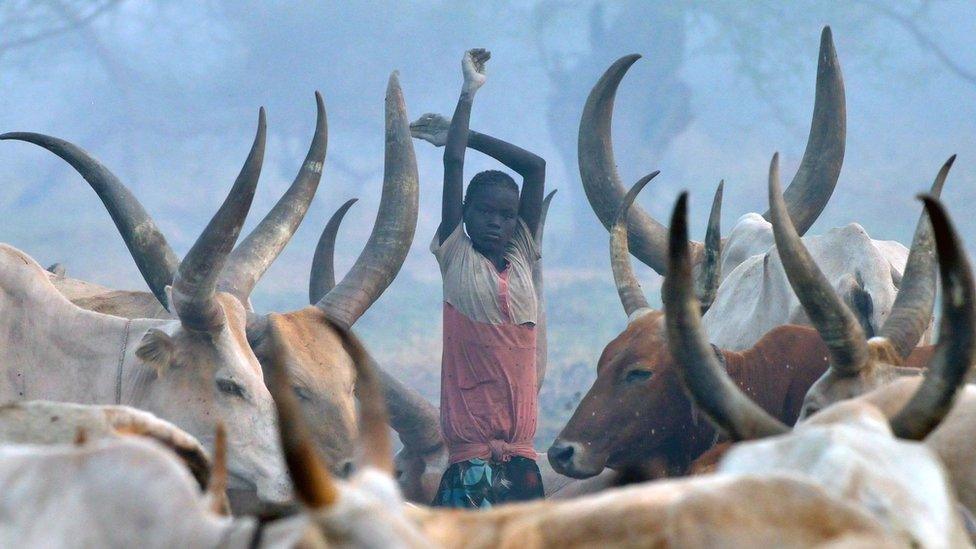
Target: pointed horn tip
(631, 196)
(678, 229)
(948, 163)
(21, 136)
(551, 194)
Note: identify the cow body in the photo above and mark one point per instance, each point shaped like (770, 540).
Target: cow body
(53, 350)
(755, 295)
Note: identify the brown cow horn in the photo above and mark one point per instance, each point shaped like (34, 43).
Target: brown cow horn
(838, 327)
(252, 257)
(957, 334)
(310, 478)
(373, 425)
(703, 377)
(819, 170)
(628, 288)
(396, 221)
(711, 265)
(322, 278)
(196, 281)
(598, 169)
(152, 254)
(913, 306)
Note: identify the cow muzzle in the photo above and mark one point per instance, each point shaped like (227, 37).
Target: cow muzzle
(574, 459)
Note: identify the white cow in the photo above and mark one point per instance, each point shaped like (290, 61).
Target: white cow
(754, 296)
(191, 371)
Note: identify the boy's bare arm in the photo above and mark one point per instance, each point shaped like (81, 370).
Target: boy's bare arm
(456, 141)
(434, 128)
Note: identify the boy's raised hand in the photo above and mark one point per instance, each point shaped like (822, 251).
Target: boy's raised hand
(473, 68)
(432, 128)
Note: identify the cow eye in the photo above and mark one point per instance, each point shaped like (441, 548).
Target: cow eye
(301, 392)
(229, 387)
(635, 376)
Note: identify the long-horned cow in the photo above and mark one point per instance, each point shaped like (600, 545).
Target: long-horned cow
(852, 446)
(194, 370)
(636, 411)
(322, 373)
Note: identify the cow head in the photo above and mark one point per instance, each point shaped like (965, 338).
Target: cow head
(366, 510)
(857, 364)
(636, 406)
(205, 371)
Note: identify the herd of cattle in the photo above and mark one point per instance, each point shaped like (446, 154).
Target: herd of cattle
(183, 417)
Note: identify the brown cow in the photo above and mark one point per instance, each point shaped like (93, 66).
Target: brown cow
(636, 411)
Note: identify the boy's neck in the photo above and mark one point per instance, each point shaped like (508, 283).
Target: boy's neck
(497, 257)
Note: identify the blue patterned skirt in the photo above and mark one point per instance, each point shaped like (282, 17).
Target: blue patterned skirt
(480, 484)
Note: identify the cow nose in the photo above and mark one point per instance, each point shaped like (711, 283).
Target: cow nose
(561, 453)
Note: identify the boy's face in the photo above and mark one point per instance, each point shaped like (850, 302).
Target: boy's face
(490, 218)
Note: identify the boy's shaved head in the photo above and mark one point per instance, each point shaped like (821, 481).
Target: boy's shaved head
(488, 181)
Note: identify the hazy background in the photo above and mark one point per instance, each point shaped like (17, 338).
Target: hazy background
(166, 95)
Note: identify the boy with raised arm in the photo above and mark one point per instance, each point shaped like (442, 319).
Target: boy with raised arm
(489, 403)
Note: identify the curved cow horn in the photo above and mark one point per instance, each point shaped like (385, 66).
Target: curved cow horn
(396, 221)
(819, 170)
(711, 266)
(541, 229)
(957, 334)
(702, 375)
(598, 169)
(152, 254)
(252, 257)
(373, 425)
(196, 281)
(912, 309)
(628, 288)
(310, 477)
(322, 278)
(838, 327)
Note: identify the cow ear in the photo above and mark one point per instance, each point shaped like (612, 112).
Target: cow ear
(156, 350)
